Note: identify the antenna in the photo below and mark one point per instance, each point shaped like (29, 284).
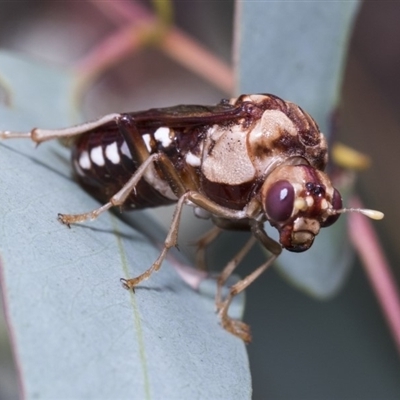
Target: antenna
(373, 214)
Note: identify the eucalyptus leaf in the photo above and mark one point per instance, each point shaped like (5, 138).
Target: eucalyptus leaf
(296, 50)
(76, 333)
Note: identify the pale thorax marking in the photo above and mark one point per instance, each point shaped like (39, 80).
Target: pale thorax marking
(192, 159)
(225, 156)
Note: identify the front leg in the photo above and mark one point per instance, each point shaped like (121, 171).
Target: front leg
(172, 237)
(220, 224)
(202, 243)
(239, 328)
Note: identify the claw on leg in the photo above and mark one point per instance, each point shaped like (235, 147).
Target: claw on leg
(68, 219)
(234, 326)
(130, 284)
(170, 241)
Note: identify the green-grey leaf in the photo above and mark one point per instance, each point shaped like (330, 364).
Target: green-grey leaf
(296, 50)
(76, 333)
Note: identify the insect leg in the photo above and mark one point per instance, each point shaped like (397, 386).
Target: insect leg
(202, 244)
(229, 268)
(42, 135)
(239, 328)
(172, 236)
(117, 200)
(170, 241)
(212, 234)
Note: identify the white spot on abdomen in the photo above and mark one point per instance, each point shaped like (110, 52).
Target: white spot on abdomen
(147, 138)
(84, 160)
(162, 136)
(78, 168)
(125, 150)
(112, 153)
(96, 155)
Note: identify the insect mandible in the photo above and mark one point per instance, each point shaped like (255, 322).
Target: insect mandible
(243, 162)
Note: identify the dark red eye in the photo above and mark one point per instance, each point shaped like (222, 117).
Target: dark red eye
(280, 201)
(337, 204)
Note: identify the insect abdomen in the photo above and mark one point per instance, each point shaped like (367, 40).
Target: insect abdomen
(103, 163)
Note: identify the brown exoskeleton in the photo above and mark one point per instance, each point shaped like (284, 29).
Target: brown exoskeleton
(243, 162)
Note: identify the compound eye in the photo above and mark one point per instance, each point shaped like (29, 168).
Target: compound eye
(337, 204)
(280, 201)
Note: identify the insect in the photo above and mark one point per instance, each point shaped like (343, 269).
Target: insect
(243, 162)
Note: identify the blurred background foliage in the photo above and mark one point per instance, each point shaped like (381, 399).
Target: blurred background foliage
(301, 348)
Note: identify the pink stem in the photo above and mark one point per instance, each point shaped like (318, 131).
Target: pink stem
(198, 59)
(191, 276)
(376, 266)
(109, 52)
(176, 44)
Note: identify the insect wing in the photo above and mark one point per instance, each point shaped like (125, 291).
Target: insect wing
(186, 116)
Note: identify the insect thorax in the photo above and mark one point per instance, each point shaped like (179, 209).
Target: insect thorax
(238, 157)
